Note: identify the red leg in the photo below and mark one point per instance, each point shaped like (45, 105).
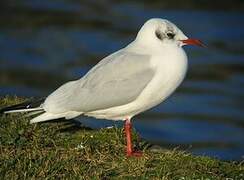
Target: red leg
(129, 148)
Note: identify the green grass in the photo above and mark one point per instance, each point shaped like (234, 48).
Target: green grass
(68, 150)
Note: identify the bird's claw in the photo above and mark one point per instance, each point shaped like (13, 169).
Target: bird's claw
(134, 154)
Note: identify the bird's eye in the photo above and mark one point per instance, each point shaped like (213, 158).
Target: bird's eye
(170, 35)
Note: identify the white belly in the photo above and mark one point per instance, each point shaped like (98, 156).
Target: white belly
(169, 73)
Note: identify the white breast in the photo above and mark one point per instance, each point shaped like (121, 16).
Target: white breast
(170, 72)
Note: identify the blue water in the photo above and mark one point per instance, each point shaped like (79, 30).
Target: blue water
(46, 43)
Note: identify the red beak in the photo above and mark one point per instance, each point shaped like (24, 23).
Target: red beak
(193, 42)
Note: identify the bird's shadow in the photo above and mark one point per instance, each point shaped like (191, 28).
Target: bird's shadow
(73, 125)
(70, 126)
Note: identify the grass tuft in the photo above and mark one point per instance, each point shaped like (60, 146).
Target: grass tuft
(68, 150)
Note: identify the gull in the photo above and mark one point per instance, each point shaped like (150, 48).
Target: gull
(127, 82)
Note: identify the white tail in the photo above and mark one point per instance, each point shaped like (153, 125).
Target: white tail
(45, 117)
(49, 116)
(35, 108)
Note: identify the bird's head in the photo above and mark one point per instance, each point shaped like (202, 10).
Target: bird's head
(161, 31)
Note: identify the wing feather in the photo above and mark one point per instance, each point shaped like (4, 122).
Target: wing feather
(116, 80)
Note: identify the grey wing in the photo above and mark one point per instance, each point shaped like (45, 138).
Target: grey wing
(116, 80)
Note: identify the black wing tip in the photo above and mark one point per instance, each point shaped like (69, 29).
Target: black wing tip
(33, 103)
(2, 111)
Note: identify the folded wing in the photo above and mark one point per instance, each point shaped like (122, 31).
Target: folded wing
(116, 80)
